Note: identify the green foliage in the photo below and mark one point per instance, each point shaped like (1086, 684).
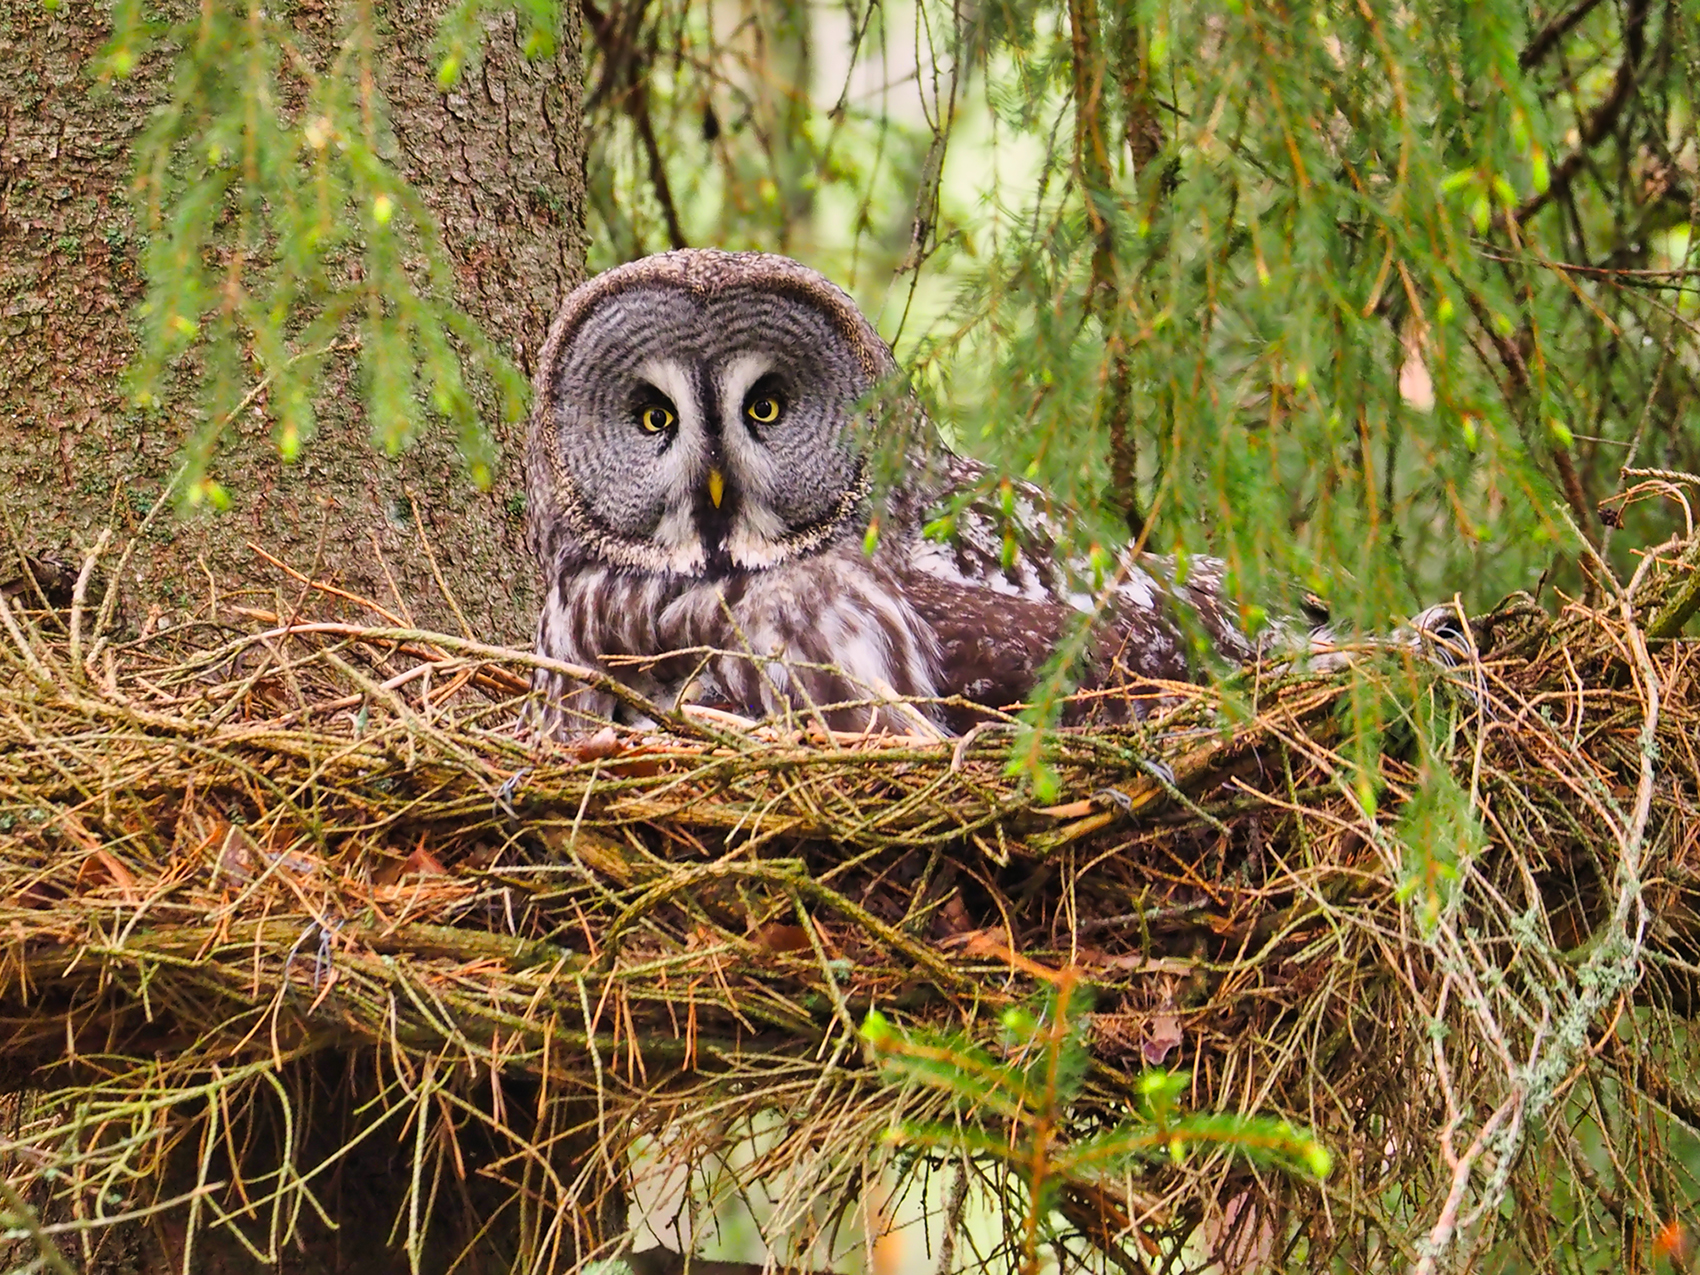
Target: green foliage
(278, 234)
(1365, 299)
(1438, 829)
(1012, 1104)
(747, 126)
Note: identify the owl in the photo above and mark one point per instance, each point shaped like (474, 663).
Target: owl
(701, 494)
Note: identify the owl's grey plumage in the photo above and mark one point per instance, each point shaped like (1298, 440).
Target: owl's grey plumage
(700, 495)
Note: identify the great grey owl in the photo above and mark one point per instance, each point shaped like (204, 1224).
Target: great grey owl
(701, 498)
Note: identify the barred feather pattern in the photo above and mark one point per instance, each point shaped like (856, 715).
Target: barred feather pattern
(1000, 592)
(830, 634)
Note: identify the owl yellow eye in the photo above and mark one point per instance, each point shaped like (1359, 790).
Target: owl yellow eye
(655, 418)
(763, 410)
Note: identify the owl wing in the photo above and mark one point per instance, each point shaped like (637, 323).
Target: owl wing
(1004, 577)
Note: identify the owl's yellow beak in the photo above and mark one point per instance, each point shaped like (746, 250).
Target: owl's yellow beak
(716, 486)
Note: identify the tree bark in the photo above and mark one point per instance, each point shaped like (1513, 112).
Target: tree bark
(499, 162)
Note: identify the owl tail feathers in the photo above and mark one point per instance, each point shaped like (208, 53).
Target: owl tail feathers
(1442, 628)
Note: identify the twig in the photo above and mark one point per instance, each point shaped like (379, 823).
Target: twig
(1440, 1234)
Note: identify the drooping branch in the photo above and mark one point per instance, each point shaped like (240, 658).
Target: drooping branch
(1604, 117)
(626, 63)
(1091, 62)
(1548, 37)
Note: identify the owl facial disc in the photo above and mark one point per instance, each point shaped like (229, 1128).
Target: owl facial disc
(702, 435)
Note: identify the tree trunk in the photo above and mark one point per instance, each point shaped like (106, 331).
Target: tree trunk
(498, 160)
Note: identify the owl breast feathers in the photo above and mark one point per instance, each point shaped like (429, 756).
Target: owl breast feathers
(699, 480)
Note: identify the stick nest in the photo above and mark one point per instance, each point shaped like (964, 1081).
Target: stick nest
(279, 893)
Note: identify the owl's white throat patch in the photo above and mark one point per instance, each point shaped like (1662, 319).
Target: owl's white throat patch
(757, 539)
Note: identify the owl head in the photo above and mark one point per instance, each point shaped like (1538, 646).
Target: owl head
(695, 415)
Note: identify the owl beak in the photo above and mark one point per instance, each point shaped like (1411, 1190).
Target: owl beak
(716, 486)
